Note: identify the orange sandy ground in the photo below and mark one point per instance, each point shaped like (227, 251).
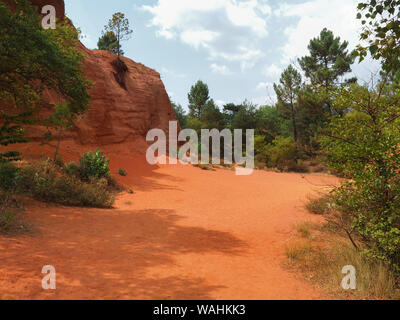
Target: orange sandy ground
(184, 234)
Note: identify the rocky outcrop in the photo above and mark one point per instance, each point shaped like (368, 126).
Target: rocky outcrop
(118, 113)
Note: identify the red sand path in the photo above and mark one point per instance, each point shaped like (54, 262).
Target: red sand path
(184, 234)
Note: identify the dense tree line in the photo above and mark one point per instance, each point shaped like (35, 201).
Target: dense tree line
(353, 127)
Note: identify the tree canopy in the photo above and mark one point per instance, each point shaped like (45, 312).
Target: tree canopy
(109, 42)
(329, 59)
(120, 27)
(32, 59)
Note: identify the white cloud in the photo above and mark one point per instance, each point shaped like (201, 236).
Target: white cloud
(339, 16)
(226, 29)
(220, 69)
(263, 85)
(220, 103)
(316, 15)
(272, 71)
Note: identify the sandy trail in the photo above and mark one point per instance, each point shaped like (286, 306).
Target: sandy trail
(184, 234)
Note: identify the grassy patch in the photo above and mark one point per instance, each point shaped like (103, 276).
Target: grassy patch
(304, 229)
(10, 217)
(320, 205)
(323, 261)
(298, 251)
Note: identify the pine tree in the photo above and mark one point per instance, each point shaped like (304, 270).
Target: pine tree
(119, 25)
(287, 92)
(198, 98)
(329, 60)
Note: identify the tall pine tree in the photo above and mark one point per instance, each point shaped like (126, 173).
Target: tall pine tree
(287, 92)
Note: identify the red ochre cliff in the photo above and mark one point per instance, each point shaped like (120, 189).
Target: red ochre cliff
(116, 115)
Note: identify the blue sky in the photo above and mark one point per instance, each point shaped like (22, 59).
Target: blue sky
(238, 47)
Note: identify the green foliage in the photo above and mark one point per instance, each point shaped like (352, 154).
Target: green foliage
(180, 114)
(282, 152)
(195, 124)
(381, 19)
(119, 25)
(72, 169)
(260, 150)
(9, 175)
(45, 181)
(94, 165)
(287, 92)
(31, 60)
(211, 116)
(61, 120)
(198, 98)
(270, 123)
(245, 116)
(122, 172)
(329, 59)
(109, 42)
(364, 147)
(7, 221)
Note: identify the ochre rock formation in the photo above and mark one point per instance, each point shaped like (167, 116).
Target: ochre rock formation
(117, 114)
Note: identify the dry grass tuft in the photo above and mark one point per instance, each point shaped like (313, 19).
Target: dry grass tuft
(323, 264)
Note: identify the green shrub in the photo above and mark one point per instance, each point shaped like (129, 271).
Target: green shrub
(364, 148)
(46, 182)
(122, 172)
(72, 169)
(281, 152)
(8, 176)
(7, 221)
(260, 150)
(94, 165)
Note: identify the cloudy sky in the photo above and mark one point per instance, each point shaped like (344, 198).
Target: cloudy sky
(238, 47)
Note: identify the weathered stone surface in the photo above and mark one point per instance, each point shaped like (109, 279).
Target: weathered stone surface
(116, 115)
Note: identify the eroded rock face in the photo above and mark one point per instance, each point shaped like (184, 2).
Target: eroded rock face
(117, 114)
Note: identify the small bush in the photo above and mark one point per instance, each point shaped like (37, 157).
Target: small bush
(282, 151)
(94, 165)
(122, 172)
(72, 169)
(7, 221)
(8, 176)
(321, 206)
(11, 224)
(282, 154)
(46, 182)
(295, 166)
